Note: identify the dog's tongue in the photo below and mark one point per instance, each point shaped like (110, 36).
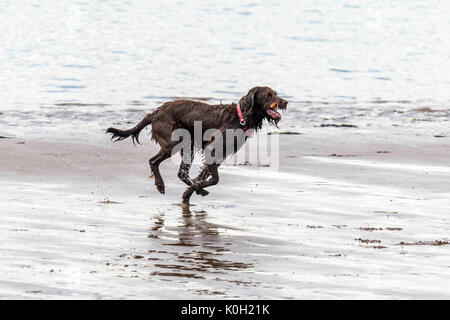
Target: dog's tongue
(273, 114)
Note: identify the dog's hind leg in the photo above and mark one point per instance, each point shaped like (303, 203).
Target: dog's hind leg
(213, 180)
(154, 162)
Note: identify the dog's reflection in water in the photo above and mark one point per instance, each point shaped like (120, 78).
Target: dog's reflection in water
(194, 225)
(199, 247)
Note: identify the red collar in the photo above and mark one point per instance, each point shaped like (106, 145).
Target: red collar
(242, 121)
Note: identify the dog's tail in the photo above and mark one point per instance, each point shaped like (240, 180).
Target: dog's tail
(119, 135)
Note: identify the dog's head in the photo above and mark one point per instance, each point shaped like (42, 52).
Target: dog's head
(263, 102)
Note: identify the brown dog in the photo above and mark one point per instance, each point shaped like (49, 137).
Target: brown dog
(258, 104)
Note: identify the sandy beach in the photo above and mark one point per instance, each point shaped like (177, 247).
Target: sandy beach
(346, 215)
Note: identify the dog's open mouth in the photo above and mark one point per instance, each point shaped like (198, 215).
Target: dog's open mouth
(274, 115)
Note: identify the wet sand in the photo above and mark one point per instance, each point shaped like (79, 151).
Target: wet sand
(349, 214)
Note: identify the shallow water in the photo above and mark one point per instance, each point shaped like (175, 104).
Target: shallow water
(82, 65)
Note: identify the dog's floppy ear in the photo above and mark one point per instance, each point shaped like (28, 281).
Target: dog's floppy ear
(250, 99)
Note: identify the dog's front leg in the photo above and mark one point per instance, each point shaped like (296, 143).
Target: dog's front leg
(203, 175)
(199, 185)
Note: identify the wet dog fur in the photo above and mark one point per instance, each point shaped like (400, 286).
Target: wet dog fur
(258, 104)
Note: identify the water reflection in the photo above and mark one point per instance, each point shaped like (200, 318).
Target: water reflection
(200, 248)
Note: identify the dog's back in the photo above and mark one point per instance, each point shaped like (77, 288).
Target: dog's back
(183, 114)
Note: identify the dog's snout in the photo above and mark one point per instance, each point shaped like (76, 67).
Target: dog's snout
(283, 104)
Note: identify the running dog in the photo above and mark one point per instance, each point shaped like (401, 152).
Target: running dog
(258, 104)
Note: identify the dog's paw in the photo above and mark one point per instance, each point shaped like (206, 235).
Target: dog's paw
(185, 201)
(160, 187)
(202, 192)
(185, 207)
